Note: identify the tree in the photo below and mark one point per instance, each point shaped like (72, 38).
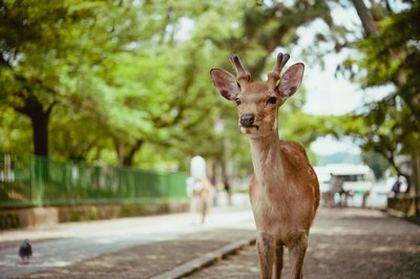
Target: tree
(391, 125)
(47, 47)
(185, 90)
(110, 79)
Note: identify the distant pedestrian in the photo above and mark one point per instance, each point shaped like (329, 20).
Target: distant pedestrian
(228, 188)
(25, 251)
(328, 195)
(199, 187)
(337, 187)
(396, 187)
(337, 184)
(202, 196)
(365, 197)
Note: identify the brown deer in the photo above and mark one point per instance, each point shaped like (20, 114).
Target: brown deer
(284, 189)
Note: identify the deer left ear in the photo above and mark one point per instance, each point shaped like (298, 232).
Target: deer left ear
(290, 80)
(225, 83)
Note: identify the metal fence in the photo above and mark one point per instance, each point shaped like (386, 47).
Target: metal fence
(36, 181)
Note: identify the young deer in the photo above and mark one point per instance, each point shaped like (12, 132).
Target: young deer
(284, 189)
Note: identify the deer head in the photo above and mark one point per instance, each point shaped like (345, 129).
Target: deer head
(258, 101)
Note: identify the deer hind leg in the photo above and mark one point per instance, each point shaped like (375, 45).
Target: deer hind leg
(278, 259)
(265, 250)
(297, 252)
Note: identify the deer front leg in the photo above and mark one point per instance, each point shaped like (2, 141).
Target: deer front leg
(265, 250)
(278, 260)
(296, 255)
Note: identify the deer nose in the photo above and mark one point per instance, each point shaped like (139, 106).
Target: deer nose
(247, 119)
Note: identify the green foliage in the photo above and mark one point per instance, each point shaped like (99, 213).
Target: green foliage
(121, 81)
(390, 126)
(15, 132)
(376, 162)
(51, 52)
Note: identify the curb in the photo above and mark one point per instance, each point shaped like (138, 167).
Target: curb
(205, 260)
(395, 213)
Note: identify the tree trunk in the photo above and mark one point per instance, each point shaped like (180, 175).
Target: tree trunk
(126, 155)
(366, 18)
(415, 173)
(120, 147)
(213, 174)
(40, 134)
(33, 109)
(397, 168)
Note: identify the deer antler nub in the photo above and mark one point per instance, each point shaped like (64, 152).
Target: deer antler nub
(242, 74)
(274, 75)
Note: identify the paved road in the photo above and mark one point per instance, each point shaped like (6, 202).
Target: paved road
(147, 260)
(345, 244)
(66, 244)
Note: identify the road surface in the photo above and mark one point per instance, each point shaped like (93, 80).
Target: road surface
(344, 243)
(65, 244)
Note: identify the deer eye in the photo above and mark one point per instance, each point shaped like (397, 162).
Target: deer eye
(272, 100)
(237, 101)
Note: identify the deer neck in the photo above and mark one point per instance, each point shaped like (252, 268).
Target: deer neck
(266, 158)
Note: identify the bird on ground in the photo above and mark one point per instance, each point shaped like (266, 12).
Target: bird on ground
(25, 251)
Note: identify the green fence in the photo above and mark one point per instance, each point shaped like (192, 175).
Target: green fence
(35, 181)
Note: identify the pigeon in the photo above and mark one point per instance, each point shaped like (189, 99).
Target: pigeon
(25, 251)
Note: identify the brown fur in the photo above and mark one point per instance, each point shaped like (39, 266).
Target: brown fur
(284, 194)
(287, 191)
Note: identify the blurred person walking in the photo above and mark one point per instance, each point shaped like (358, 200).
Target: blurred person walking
(199, 188)
(396, 188)
(336, 187)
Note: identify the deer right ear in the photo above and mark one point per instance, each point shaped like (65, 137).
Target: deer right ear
(225, 83)
(290, 80)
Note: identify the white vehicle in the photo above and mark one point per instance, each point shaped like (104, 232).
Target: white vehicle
(357, 178)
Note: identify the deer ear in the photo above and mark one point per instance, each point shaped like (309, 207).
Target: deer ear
(290, 80)
(225, 83)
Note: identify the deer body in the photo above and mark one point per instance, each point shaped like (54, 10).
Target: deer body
(283, 193)
(284, 189)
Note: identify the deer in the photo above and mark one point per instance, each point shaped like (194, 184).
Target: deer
(284, 189)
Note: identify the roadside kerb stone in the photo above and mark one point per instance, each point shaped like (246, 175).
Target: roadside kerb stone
(206, 260)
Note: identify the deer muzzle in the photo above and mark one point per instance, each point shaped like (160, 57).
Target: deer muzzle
(247, 120)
